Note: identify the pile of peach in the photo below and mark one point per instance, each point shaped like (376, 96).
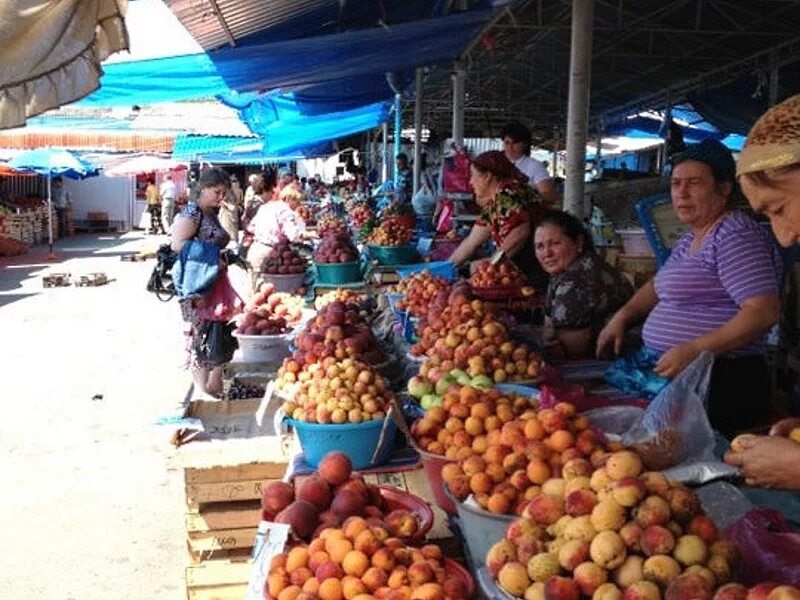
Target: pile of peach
(505, 273)
(339, 295)
(360, 215)
(466, 335)
(329, 498)
(328, 223)
(334, 391)
(612, 533)
(391, 232)
(419, 291)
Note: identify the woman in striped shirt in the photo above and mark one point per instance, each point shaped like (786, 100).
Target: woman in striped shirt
(718, 292)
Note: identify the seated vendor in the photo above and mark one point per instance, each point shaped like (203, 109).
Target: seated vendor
(505, 199)
(584, 291)
(717, 292)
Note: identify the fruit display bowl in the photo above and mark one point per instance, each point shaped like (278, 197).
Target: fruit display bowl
(480, 528)
(432, 464)
(285, 283)
(358, 440)
(395, 499)
(498, 292)
(333, 273)
(393, 255)
(263, 348)
(455, 569)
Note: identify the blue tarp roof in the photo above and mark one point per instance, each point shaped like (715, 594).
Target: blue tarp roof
(192, 147)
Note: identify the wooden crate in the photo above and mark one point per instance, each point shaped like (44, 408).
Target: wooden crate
(56, 280)
(91, 279)
(223, 578)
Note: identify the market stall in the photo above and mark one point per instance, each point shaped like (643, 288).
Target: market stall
(408, 441)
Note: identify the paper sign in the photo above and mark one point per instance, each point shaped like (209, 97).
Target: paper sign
(270, 541)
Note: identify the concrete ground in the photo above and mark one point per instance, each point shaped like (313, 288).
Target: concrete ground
(90, 507)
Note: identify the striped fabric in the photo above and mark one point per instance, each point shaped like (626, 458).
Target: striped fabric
(700, 292)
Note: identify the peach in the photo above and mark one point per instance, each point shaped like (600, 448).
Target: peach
(528, 548)
(608, 515)
(365, 597)
(725, 548)
(561, 588)
(577, 483)
(292, 592)
(338, 548)
(543, 566)
(675, 528)
(335, 468)
(432, 551)
(607, 591)
(577, 467)
(519, 480)
(692, 550)
(301, 516)
(631, 534)
(296, 558)
(427, 591)
(704, 573)
(704, 527)
(688, 586)
(311, 586)
(499, 504)
(642, 590)
(318, 558)
(499, 554)
(554, 487)
(608, 550)
(374, 578)
(784, 592)
(551, 420)
(300, 575)
(629, 572)
(353, 526)
(580, 528)
(401, 523)
(328, 569)
(655, 483)
(653, 510)
(600, 480)
(459, 487)
(355, 563)
(533, 429)
(277, 496)
(573, 553)
(661, 569)
(560, 440)
(331, 589)
(589, 577)
(316, 491)
(628, 491)
(761, 591)
(623, 464)
(481, 483)
(538, 471)
(383, 558)
(496, 472)
(473, 465)
(304, 595)
(684, 504)
(348, 502)
(514, 462)
(523, 528)
(656, 540)
(399, 578)
(731, 591)
(545, 509)
(513, 578)
(719, 567)
(535, 591)
(420, 572)
(277, 581)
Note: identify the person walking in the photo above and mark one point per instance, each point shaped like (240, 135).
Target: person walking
(168, 192)
(60, 198)
(154, 207)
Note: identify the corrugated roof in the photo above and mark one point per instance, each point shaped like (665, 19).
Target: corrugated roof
(95, 140)
(191, 147)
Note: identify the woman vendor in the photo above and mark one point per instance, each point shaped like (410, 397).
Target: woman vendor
(505, 199)
(274, 221)
(584, 291)
(199, 221)
(718, 292)
(769, 173)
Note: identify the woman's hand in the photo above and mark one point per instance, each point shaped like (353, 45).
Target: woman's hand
(675, 360)
(784, 426)
(612, 334)
(769, 462)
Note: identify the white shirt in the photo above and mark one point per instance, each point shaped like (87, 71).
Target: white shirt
(275, 219)
(534, 169)
(168, 190)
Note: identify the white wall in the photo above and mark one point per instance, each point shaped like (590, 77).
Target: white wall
(101, 194)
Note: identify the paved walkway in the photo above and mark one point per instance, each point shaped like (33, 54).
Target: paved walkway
(89, 508)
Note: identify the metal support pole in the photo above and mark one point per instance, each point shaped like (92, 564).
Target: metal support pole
(417, 130)
(398, 133)
(458, 104)
(773, 78)
(578, 105)
(599, 154)
(385, 153)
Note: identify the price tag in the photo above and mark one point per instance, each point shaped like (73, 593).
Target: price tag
(270, 541)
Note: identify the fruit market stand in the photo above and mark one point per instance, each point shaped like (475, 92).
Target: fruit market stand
(395, 443)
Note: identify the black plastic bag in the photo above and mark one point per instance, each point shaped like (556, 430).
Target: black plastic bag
(216, 342)
(161, 282)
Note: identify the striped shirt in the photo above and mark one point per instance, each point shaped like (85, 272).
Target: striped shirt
(701, 291)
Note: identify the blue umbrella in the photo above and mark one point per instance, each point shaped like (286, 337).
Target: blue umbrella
(53, 162)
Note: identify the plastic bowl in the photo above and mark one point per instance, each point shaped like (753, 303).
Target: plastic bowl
(481, 529)
(358, 440)
(263, 348)
(393, 255)
(454, 569)
(432, 465)
(394, 499)
(285, 283)
(333, 273)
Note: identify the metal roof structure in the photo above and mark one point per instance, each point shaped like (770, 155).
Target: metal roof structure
(647, 54)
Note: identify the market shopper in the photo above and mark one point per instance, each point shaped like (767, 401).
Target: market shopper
(154, 207)
(230, 210)
(199, 221)
(718, 292)
(274, 221)
(517, 140)
(504, 197)
(405, 178)
(60, 199)
(583, 292)
(168, 192)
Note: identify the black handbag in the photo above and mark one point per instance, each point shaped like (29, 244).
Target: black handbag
(216, 343)
(160, 282)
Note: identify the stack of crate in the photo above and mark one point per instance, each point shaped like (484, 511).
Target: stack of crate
(19, 227)
(225, 470)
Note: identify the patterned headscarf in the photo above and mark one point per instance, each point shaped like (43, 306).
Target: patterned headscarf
(774, 140)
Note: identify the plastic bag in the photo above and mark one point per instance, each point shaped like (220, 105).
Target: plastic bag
(445, 222)
(216, 343)
(221, 303)
(633, 374)
(456, 173)
(674, 429)
(769, 551)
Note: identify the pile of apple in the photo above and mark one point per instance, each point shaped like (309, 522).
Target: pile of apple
(331, 391)
(361, 561)
(503, 274)
(335, 247)
(391, 232)
(331, 497)
(344, 296)
(269, 312)
(466, 335)
(614, 533)
(360, 215)
(283, 260)
(419, 291)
